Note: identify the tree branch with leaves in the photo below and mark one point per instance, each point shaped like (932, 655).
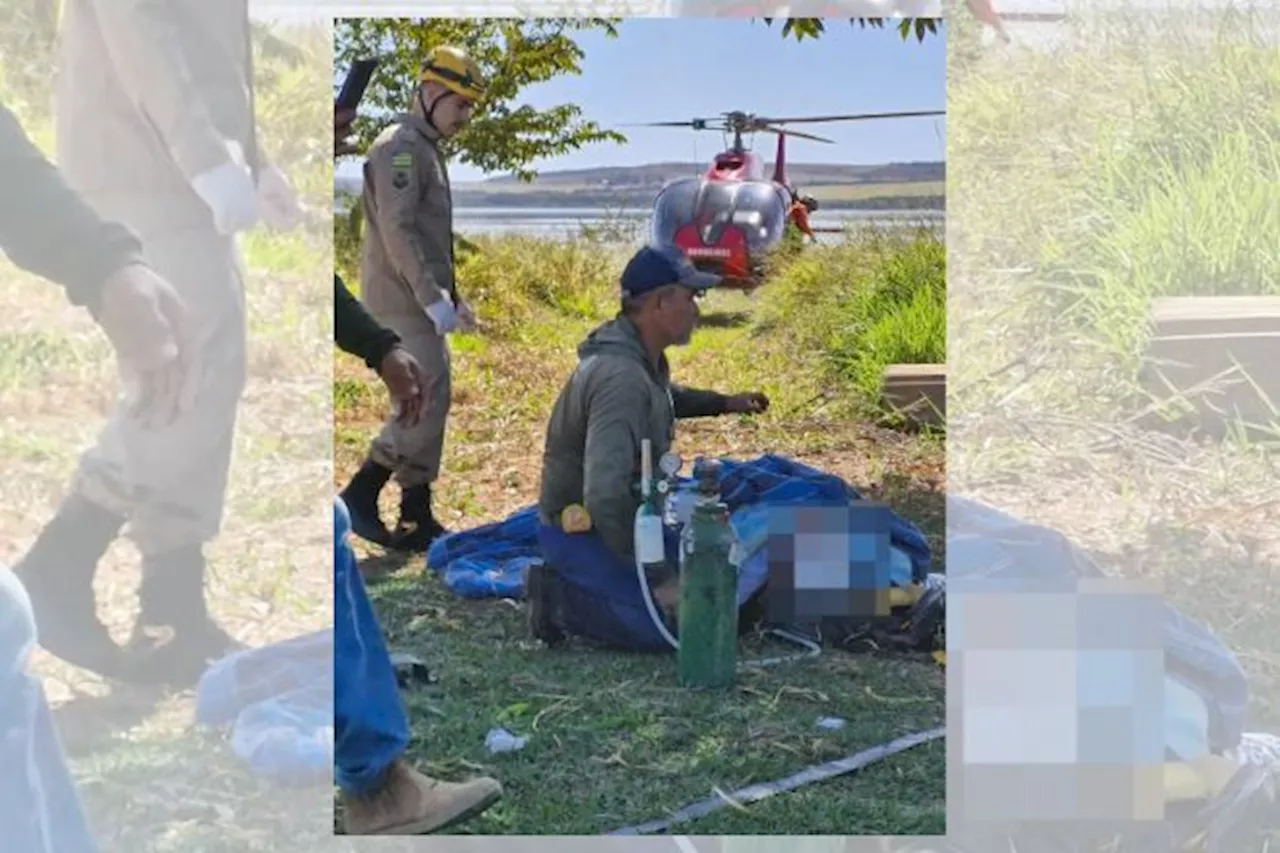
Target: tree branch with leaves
(504, 135)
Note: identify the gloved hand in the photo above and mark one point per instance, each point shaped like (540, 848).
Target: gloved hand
(277, 200)
(229, 192)
(443, 315)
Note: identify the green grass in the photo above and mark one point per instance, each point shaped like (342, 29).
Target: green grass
(875, 302)
(617, 725)
(1135, 165)
(1138, 161)
(150, 780)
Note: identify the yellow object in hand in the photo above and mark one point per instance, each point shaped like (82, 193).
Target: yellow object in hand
(575, 519)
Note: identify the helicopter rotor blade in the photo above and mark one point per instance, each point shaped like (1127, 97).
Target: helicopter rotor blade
(662, 124)
(696, 124)
(783, 132)
(852, 117)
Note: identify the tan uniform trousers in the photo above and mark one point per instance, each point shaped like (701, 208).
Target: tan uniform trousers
(170, 482)
(414, 453)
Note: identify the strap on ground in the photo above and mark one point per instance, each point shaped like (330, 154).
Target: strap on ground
(763, 790)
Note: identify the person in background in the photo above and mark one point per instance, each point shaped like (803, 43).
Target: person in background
(48, 230)
(407, 274)
(156, 129)
(381, 792)
(619, 394)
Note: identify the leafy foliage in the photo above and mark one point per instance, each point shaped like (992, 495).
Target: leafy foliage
(803, 28)
(513, 53)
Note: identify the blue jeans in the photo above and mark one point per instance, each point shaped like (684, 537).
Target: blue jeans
(600, 592)
(371, 730)
(40, 809)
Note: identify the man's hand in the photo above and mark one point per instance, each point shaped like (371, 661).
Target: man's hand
(342, 120)
(752, 403)
(277, 200)
(402, 375)
(149, 328)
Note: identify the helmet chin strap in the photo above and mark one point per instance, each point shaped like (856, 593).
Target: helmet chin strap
(429, 112)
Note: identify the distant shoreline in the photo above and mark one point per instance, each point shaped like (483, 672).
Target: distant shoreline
(643, 203)
(837, 187)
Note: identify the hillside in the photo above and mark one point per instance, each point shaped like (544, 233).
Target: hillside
(891, 186)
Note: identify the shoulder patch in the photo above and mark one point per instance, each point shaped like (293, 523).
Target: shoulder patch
(401, 167)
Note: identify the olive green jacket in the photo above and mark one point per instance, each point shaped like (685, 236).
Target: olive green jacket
(615, 398)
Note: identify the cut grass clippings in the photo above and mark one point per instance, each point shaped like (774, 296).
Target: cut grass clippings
(612, 740)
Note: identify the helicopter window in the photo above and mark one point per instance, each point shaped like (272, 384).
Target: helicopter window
(756, 208)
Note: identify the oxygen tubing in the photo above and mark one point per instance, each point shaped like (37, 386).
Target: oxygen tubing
(814, 649)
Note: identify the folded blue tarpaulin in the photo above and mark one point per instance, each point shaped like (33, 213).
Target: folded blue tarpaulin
(489, 561)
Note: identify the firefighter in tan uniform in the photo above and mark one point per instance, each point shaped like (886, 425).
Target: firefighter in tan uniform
(155, 129)
(408, 284)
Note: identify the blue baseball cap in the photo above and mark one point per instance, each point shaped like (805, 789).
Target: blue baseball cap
(653, 267)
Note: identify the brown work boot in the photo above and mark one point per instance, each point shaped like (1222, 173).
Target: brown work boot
(410, 803)
(540, 594)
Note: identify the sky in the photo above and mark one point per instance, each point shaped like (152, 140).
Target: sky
(677, 69)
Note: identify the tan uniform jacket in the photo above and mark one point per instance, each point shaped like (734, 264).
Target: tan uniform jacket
(407, 261)
(148, 95)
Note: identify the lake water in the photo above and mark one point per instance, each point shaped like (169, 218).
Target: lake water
(562, 222)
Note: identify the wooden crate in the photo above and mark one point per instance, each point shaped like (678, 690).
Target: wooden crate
(1211, 362)
(918, 391)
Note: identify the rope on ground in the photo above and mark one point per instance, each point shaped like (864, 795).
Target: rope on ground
(816, 773)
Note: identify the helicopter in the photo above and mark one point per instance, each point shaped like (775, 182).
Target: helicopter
(728, 219)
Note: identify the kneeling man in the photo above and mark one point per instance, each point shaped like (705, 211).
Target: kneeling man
(619, 394)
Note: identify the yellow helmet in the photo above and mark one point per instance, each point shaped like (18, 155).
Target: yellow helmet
(452, 68)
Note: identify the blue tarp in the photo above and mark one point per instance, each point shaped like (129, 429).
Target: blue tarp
(489, 561)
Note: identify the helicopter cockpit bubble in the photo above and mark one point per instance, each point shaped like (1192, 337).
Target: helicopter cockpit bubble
(756, 208)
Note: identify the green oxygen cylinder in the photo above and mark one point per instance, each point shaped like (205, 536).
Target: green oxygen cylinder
(708, 615)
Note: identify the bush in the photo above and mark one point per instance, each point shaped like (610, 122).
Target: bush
(874, 300)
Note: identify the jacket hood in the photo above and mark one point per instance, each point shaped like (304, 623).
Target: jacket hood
(618, 337)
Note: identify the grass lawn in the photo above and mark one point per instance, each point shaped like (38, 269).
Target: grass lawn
(612, 741)
(150, 780)
(1084, 183)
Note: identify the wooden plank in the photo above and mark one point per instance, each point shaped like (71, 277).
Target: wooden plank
(918, 391)
(1218, 354)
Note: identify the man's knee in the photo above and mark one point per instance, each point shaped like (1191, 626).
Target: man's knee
(17, 624)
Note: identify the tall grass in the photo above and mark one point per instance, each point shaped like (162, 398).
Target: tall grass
(876, 300)
(1135, 162)
(851, 308)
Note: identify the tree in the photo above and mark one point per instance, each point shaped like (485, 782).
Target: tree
(513, 53)
(802, 28)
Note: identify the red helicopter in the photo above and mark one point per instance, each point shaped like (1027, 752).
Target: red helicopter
(727, 220)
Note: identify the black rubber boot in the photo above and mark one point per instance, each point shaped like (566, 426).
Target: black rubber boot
(58, 575)
(543, 605)
(418, 527)
(361, 498)
(175, 638)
